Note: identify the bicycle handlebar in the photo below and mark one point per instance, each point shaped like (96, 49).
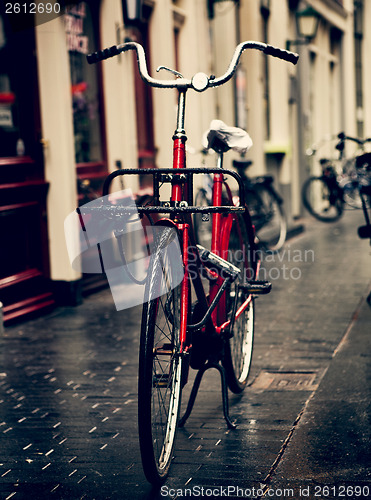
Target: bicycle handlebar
(343, 137)
(200, 81)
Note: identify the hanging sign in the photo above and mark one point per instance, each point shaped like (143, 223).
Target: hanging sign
(74, 26)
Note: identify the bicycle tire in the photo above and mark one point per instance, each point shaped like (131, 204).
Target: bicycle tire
(202, 228)
(160, 368)
(273, 231)
(238, 348)
(324, 205)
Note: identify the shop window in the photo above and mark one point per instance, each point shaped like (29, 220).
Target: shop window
(17, 92)
(82, 32)
(24, 259)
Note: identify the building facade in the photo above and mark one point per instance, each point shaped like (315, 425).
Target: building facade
(64, 124)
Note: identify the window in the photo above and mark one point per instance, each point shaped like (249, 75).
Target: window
(266, 95)
(335, 80)
(18, 92)
(178, 20)
(81, 26)
(143, 92)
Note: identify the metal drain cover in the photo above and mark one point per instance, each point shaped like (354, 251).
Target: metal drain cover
(286, 381)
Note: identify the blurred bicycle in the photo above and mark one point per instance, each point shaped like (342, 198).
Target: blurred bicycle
(264, 203)
(327, 195)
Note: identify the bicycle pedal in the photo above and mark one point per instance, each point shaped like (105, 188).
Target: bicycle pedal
(161, 381)
(210, 258)
(164, 350)
(257, 287)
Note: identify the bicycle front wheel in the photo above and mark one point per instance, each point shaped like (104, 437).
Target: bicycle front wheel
(160, 367)
(321, 201)
(273, 226)
(239, 347)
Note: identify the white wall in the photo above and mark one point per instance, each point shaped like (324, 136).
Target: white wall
(250, 25)
(119, 95)
(57, 130)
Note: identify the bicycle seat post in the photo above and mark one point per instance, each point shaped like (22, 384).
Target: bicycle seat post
(220, 159)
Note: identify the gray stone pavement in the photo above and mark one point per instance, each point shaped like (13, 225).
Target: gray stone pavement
(68, 392)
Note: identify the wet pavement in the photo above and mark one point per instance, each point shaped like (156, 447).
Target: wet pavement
(68, 392)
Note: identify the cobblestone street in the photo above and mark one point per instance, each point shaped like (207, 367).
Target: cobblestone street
(68, 391)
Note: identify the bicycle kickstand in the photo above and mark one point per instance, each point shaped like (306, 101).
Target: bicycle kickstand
(196, 386)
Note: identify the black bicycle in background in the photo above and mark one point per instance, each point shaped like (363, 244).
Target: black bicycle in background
(339, 186)
(264, 203)
(266, 208)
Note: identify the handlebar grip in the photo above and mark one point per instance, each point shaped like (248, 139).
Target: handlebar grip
(291, 57)
(100, 55)
(355, 139)
(342, 137)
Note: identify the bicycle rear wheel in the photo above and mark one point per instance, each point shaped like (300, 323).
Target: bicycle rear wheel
(160, 367)
(273, 226)
(239, 347)
(321, 201)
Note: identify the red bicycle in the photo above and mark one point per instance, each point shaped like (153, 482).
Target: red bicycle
(183, 324)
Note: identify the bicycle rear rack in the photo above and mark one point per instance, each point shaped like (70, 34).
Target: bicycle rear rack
(179, 176)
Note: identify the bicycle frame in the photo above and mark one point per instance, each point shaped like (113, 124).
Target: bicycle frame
(180, 207)
(189, 243)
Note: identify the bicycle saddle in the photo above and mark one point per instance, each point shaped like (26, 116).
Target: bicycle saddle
(222, 138)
